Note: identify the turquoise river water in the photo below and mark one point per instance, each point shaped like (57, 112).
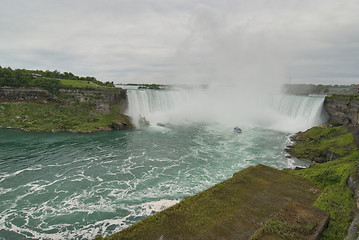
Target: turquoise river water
(77, 186)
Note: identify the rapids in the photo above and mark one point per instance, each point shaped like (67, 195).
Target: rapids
(77, 186)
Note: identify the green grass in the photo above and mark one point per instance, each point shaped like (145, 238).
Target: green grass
(78, 84)
(79, 117)
(346, 97)
(337, 199)
(295, 221)
(287, 230)
(315, 143)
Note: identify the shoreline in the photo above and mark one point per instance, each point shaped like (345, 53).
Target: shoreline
(103, 129)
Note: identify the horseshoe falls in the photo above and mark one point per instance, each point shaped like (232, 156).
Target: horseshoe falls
(77, 186)
(280, 112)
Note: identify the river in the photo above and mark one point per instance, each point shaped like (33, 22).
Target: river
(77, 186)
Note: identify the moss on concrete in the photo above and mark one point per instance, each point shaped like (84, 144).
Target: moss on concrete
(233, 209)
(296, 221)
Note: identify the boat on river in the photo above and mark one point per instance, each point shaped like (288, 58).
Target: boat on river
(237, 130)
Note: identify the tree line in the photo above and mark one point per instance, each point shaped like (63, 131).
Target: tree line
(69, 75)
(305, 89)
(49, 80)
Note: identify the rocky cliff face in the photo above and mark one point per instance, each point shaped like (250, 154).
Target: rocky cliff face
(103, 99)
(10, 94)
(343, 110)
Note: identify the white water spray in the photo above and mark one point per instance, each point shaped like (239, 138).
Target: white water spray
(155, 106)
(297, 113)
(279, 112)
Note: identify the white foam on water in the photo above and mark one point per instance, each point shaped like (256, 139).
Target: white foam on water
(4, 176)
(149, 208)
(98, 228)
(145, 171)
(5, 190)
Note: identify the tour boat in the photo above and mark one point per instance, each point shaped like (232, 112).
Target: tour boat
(237, 130)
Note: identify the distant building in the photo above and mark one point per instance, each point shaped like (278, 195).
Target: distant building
(35, 75)
(356, 89)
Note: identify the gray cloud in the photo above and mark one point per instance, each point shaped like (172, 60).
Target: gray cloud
(183, 41)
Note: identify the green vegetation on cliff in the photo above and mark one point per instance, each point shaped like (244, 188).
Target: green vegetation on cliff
(49, 80)
(78, 117)
(150, 86)
(321, 144)
(306, 89)
(77, 84)
(346, 97)
(337, 199)
(24, 107)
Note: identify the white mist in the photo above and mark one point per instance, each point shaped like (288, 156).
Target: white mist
(211, 106)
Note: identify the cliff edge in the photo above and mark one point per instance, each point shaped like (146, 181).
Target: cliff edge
(344, 110)
(70, 109)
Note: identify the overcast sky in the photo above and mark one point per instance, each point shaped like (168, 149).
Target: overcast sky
(184, 41)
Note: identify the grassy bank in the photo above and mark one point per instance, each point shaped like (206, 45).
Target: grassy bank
(331, 177)
(77, 84)
(79, 117)
(320, 144)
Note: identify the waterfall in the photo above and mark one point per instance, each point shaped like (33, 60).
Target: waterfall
(152, 105)
(298, 112)
(300, 107)
(282, 112)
